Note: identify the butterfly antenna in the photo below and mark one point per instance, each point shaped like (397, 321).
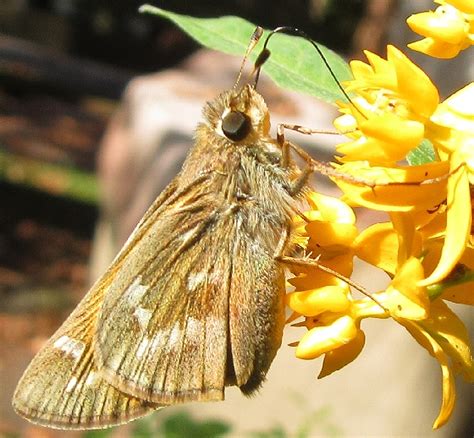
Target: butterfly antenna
(265, 54)
(254, 39)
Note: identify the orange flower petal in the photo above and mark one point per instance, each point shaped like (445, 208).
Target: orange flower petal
(461, 294)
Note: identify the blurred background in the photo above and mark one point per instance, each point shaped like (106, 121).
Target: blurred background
(97, 109)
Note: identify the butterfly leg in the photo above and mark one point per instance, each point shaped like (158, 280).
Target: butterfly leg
(309, 262)
(284, 258)
(312, 165)
(287, 145)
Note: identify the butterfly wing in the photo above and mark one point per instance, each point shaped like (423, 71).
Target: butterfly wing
(256, 305)
(197, 304)
(62, 387)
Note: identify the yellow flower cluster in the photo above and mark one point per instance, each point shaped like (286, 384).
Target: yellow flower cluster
(427, 246)
(447, 30)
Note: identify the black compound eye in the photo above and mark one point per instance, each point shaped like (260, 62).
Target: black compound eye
(236, 125)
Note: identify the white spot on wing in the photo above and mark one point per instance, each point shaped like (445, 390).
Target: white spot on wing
(142, 347)
(170, 339)
(91, 378)
(135, 291)
(195, 280)
(216, 277)
(157, 342)
(70, 346)
(143, 316)
(175, 334)
(193, 328)
(187, 236)
(115, 361)
(71, 384)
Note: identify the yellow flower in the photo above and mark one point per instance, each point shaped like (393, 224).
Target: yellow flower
(323, 299)
(338, 358)
(323, 338)
(386, 194)
(429, 186)
(394, 99)
(403, 298)
(458, 222)
(434, 326)
(388, 245)
(452, 131)
(405, 248)
(316, 301)
(333, 317)
(382, 138)
(465, 6)
(333, 323)
(458, 286)
(328, 236)
(452, 127)
(427, 248)
(378, 246)
(446, 339)
(447, 30)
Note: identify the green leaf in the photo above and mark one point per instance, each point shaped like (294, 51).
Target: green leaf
(294, 63)
(422, 154)
(104, 433)
(182, 425)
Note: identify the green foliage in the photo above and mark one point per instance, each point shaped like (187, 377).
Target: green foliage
(182, 425)
(179, 425)
(274, 432)
(422, 154)
(59, 180)
(103, 433)
(294, 64)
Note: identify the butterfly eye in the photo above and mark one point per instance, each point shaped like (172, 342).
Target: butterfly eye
(236, 125)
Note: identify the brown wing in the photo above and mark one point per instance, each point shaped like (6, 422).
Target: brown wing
(256, 308)
(196, 305)
(62, 387)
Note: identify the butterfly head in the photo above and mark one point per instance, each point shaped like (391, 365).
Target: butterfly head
(240, 116)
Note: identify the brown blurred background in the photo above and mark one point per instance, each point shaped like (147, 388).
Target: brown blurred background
(97, 108)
